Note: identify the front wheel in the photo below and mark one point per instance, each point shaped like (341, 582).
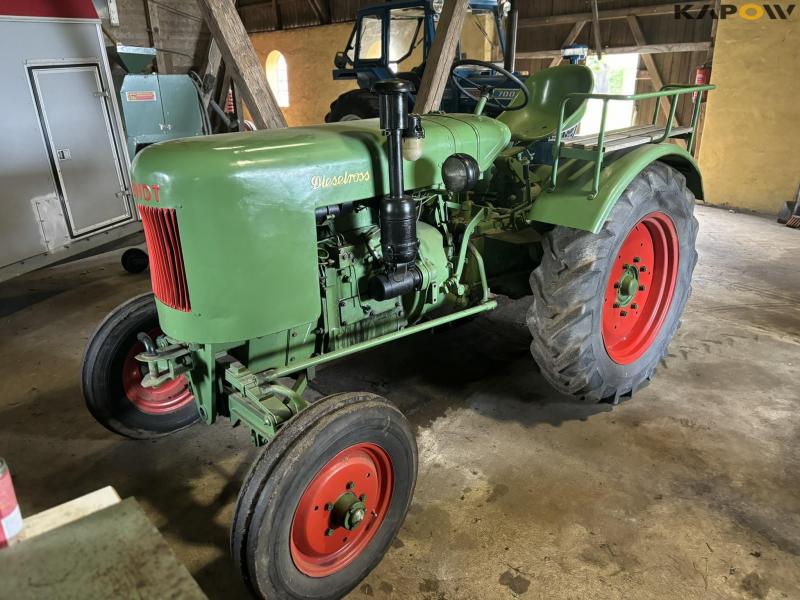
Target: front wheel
(111, 377)
(323, 502)
(606, 305)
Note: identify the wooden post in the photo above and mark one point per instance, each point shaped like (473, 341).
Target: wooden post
(598, 45)
(440, 57)
(155, 35)
(650, 64)
(241, 59)
(570, 39)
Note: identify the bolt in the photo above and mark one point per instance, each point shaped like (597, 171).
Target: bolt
(642, 288)
(643, 269)
(634, 306)
(342, 303)
(294, 334)
(363, 497)
(350, 485)
(329, 532)
(637, 259)
(625, 266)
(329, 507)
(616, 286)
(623, 313)
(616, 304)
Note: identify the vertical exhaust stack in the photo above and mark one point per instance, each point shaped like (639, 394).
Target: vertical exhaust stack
(510, 51)
(398, 218)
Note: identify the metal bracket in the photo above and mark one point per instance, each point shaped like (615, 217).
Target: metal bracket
(165, 363)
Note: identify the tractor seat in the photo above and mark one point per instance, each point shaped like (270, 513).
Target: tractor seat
(547, 89)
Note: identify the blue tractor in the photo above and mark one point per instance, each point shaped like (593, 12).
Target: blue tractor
(386, 35)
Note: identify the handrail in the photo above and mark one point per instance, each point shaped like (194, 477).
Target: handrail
(671, 91)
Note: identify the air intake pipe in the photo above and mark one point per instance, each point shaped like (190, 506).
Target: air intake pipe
(398, 218)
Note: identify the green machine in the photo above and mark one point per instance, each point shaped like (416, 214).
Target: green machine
(154, 107)
(275, 252)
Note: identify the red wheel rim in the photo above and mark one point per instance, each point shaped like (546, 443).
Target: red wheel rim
(320, 544)
(166, 398)
(640, 288)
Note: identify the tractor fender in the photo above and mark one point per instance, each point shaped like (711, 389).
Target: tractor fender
(571, 205)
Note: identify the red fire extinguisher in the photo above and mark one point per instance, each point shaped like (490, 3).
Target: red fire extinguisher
(10, 517)
(702, 76)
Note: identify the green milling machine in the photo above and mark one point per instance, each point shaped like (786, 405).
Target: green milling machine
(278, 251)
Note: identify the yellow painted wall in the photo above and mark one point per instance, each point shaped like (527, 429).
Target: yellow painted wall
(309, 56)
(748, 152)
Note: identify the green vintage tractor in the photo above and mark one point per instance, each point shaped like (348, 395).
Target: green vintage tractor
(276, 252)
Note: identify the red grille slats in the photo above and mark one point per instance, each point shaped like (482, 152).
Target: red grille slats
(167, 270)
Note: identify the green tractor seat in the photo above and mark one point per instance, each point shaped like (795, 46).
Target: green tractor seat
(547, 89)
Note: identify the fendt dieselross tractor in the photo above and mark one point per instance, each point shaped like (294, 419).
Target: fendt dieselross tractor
(278, 251)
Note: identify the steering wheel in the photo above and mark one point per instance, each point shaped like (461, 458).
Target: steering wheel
(487, 90)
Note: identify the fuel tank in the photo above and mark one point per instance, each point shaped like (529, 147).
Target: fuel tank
(229, 219)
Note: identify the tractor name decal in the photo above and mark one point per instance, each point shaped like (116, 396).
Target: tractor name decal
(750, 11)
(145, 192)
(319, 182)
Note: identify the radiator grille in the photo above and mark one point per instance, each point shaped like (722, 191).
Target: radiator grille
(167, 271)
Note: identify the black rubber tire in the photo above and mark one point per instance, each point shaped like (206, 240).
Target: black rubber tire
(280, 475)
(360, 103)
(101, 375)
(135, 260)
(568, 286)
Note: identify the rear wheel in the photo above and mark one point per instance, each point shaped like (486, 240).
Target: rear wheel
(353, 105)
(325, 499)
(606, 305)
(111, 377)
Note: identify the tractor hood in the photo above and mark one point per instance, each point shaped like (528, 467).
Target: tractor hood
(310, 166)
(229, 219)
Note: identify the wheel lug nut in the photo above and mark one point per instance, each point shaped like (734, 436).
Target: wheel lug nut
(350, 485)
(363, 497)
(625, 266)
(616, 286)
(642, 288)
(637, 259)
(623, 313)
(616, 304)
(329, 532)
(634, 306)
(643, 269)
(329, 507)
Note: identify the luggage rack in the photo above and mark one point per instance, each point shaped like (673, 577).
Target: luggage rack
(593, 147)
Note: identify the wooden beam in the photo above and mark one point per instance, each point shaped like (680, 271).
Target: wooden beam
(598, 45)
(240, 58)
(154, 27)
(440, 57)
(321, 9)
(649, 49)
(570, 39)
(211, 72)
(276, 15)
(612, 13)
(650, 65)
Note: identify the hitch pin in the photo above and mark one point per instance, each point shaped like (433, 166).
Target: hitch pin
(150, 350)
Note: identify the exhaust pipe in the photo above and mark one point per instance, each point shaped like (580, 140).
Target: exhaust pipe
(398, 218)
(510, 51)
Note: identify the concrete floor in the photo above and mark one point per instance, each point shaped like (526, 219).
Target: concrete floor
(690, 490)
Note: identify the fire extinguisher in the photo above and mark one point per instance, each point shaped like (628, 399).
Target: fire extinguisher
(702, 76)
(10, 517)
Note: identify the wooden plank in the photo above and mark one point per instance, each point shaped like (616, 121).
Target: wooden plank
(613, 13)
(650, 65)
(242, 62)
(598, 45)
(276, 15)
(649, 49)
(322, 11)
(115, 552)
(211, 73)
(154, 26)
(570, 39)
(440, 57)
(68, 512)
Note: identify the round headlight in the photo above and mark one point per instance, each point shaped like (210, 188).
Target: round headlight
(460, 172)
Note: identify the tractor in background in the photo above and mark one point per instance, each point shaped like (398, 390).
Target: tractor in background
(387, 35)
(277, 252)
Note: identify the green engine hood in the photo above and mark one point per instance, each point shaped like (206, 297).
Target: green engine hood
(244, 206)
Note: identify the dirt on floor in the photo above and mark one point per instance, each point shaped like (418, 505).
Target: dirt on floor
(690, 490)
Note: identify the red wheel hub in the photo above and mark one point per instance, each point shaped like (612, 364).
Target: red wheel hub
(341, 510)
(166, 398)
(640, 288)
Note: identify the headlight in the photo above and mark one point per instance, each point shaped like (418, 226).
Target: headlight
(460, 172)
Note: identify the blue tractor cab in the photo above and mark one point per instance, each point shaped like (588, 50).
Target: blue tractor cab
(386, 35)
